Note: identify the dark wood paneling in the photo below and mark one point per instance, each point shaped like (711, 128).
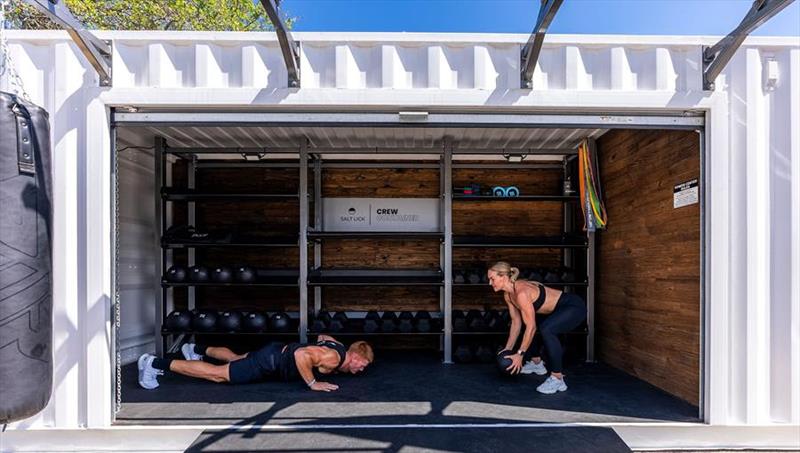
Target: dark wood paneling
(381, 254)
(528, 181)
(380, 183)
(648, 260)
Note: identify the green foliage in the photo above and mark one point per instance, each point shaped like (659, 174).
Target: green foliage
(227, 15)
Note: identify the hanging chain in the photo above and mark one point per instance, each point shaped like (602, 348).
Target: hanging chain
(7, 68)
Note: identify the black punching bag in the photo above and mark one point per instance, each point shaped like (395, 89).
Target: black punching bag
(26, 345)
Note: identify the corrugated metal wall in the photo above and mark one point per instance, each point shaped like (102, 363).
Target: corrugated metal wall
(752, 165)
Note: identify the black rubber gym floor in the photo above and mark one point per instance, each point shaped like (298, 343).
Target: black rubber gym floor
(404, 388)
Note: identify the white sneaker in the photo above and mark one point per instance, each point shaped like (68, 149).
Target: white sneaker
(148, 376)
(552, 385)
(534, 368)
(188, 352)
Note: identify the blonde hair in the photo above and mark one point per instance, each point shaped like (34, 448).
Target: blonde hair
(363, 349)
(503, 268)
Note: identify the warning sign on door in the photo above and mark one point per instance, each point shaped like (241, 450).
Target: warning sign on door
(685, 194)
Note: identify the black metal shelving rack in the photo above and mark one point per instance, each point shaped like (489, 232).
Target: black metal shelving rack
(310, 273)
(265, 278)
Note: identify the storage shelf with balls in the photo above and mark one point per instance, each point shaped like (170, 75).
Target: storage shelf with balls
(261, 277)
(228, 322)
(374, 323)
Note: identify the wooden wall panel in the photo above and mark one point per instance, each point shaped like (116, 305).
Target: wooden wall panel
(380, 183)
(380, 254)
(648, 260)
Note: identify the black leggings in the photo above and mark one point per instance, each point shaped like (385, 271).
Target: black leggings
(570, 312)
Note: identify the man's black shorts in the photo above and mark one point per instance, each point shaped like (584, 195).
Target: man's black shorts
(258, 365)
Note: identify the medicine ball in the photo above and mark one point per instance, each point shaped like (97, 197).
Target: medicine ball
(178, 321)
(459, 321)
(204, 321)
(198, 274)
(320, 322)
(463, 354)
(484, 354)
(254, 322)
(279, 322)
(338, 322)
(503, 363)
(176, 274)
(221, 274)
(475, 321)
(229, 321)
(372, 322)
(422, 321)
(245, 274)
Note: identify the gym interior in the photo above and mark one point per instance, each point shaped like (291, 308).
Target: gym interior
(247, 205)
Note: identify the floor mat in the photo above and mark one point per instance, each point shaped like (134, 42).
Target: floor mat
(405, 389)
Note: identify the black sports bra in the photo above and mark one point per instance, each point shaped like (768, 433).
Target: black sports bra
(537, 304)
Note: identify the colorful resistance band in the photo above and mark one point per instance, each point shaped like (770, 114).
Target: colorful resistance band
(594, 210)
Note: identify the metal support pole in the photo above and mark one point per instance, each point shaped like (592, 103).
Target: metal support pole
(531, 50)
(303, 244)
(192, 218)
(159, 170)
(704, 271)
(318, 227)
(590, 251)
(716, 57)
(448, 252)
(289, 48)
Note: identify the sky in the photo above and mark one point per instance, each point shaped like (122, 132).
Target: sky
(633, 17)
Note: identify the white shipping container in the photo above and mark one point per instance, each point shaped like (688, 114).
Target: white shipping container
(751, 364)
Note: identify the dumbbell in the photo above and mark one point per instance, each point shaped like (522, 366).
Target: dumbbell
(279, 322)
(254, 322)
(484, 354)
(405, 322)
(178, 321)
(423, 321)
(372, 322)
(388, 321)
(567, 275)
(229, 321)
(512, 191)
(462, 354)
(459, 321)
(198, 274)
(204, 321)
(458, 277)
(475, 321)
(338, 322)
(321, 322)
(176, 274)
